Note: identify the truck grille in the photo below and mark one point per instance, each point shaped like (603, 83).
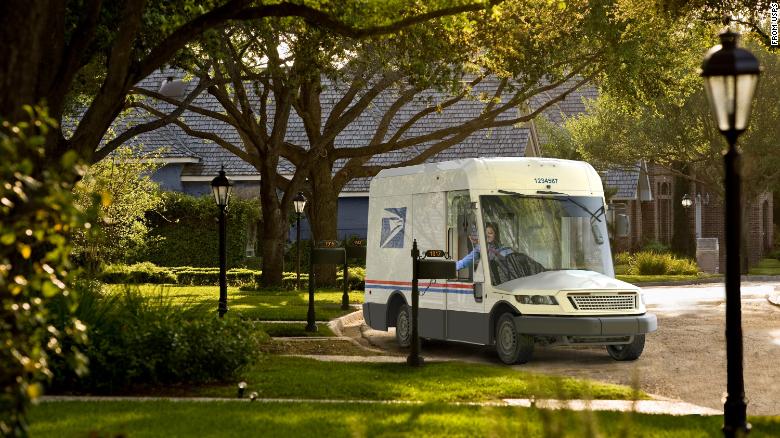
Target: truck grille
(604, 301)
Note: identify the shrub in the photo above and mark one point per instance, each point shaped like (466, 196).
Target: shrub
(138, 273)
(651, 263)
(357, 280)
(623, 258)
(37, 217)
(137, 339)
(210, 276)
(656, 247)
(184, 231)
(682, 267)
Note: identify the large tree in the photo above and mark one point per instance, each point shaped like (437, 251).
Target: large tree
(89, 53)
(54, 53)
(679, 134)
(520, 54)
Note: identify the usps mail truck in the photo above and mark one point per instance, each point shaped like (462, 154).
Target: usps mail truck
(530, 239)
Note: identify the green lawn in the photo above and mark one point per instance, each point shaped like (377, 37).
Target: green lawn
(221, 419)
(281, 305)
(766, 267)
(293, 377)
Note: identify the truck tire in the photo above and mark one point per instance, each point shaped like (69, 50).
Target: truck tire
(403, 326)
(512, 347)
(630, 351)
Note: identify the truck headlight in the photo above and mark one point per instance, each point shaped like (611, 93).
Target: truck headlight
(548, 300)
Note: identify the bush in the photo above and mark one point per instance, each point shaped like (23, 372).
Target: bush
(357, 280)
(138, 273)
(137, 339)
(184, 232)
(247, 279)
(210, 276)
(656, 247)
(623, 258)
(37, 218)
(651, 263)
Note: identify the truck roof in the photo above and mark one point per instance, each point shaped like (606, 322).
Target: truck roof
(520, 174)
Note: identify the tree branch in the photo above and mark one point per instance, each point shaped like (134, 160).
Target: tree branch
(237, 151)
(149, 126)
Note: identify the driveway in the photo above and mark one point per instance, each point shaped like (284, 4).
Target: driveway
(685, 359)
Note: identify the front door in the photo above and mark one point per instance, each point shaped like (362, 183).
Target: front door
(465, 320)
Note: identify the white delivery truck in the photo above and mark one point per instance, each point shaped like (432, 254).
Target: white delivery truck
(534, 265)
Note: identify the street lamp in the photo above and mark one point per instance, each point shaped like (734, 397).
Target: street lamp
(686, 201)
(299, 202)
(730, 77)
(221, 186)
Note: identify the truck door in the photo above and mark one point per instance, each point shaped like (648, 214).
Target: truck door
(429, 230)
(465, 319)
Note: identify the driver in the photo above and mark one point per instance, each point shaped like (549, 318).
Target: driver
(494, 248)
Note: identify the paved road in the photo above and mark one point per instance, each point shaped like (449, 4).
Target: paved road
(685, 359)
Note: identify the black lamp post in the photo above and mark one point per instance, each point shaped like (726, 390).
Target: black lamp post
(730, 78)
(222, 186)
(299, 202)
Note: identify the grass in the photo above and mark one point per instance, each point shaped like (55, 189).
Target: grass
(218, 419)
(277, 305)
(294, 377)
(286, 329)
(335, 347)
(636, 279)
(766, 267)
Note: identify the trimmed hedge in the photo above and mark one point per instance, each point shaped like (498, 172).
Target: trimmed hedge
(247, 279)
(138, 273)
(185, 231)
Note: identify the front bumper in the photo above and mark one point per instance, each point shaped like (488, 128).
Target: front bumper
(586, 325)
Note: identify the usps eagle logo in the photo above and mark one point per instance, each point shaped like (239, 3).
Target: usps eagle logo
(393, 223)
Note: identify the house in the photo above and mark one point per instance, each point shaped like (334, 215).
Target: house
(645, 193)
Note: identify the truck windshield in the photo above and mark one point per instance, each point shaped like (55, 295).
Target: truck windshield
(529, 234)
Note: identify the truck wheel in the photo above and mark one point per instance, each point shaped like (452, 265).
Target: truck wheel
(512, 347)
(403, 326)
(630, 351)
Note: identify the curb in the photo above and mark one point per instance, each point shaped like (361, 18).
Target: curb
(743, 278)
(774, 297)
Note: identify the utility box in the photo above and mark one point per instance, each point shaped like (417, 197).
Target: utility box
(708, 254)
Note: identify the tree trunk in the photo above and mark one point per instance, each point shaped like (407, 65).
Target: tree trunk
(274, 229)
(30, 44)
(683, 241)
(323, 215)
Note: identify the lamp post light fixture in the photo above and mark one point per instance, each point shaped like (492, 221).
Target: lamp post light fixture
(299, 202)
(730, 77)
(221, 186)
(686, 201)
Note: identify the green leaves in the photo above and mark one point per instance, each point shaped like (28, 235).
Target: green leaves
(37, 212)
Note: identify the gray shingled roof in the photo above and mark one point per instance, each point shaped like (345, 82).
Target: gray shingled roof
(626, 180)
(503, 141)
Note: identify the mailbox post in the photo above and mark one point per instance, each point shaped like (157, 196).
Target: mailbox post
(326, 252)
(356, 251)
(424, 269)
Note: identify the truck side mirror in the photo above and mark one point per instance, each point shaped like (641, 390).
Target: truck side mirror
(622, 225)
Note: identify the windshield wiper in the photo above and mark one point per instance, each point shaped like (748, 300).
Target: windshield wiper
(593, 215)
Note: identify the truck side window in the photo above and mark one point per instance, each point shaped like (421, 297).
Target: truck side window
(461, 225)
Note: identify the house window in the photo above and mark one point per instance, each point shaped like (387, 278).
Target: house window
(664, 212)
